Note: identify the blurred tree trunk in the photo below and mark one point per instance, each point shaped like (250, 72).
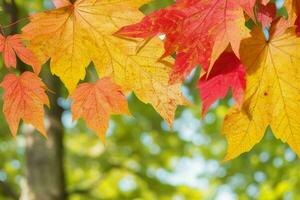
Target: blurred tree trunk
(44, 169)
(44, 157)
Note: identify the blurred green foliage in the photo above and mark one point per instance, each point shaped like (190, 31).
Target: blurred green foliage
(144, 159)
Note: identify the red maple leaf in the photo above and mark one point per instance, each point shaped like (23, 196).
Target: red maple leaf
(227, 72)
(197, 30)
(266, 14)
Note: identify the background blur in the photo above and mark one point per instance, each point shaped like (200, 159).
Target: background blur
(143, 158)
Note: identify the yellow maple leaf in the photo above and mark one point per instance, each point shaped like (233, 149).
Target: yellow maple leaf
(75, 35)
(272, 97)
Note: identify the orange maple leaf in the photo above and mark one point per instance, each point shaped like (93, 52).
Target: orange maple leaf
(95, 102)
(24, 97)
(11, 46)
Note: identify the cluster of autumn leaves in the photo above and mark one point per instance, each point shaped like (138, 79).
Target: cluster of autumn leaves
(260, 65)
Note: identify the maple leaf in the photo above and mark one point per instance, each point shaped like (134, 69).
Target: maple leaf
(95, 102)
(82, 32)
(248, 6)
(266, 14)
(293, 9)
(11, 46)
(272, 92)
(227, 72)
(24, 98)
(198, 31)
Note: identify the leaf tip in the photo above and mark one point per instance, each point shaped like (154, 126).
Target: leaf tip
(102, 137)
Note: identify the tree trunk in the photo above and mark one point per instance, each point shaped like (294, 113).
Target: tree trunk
(44, 169)
(44, 157)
